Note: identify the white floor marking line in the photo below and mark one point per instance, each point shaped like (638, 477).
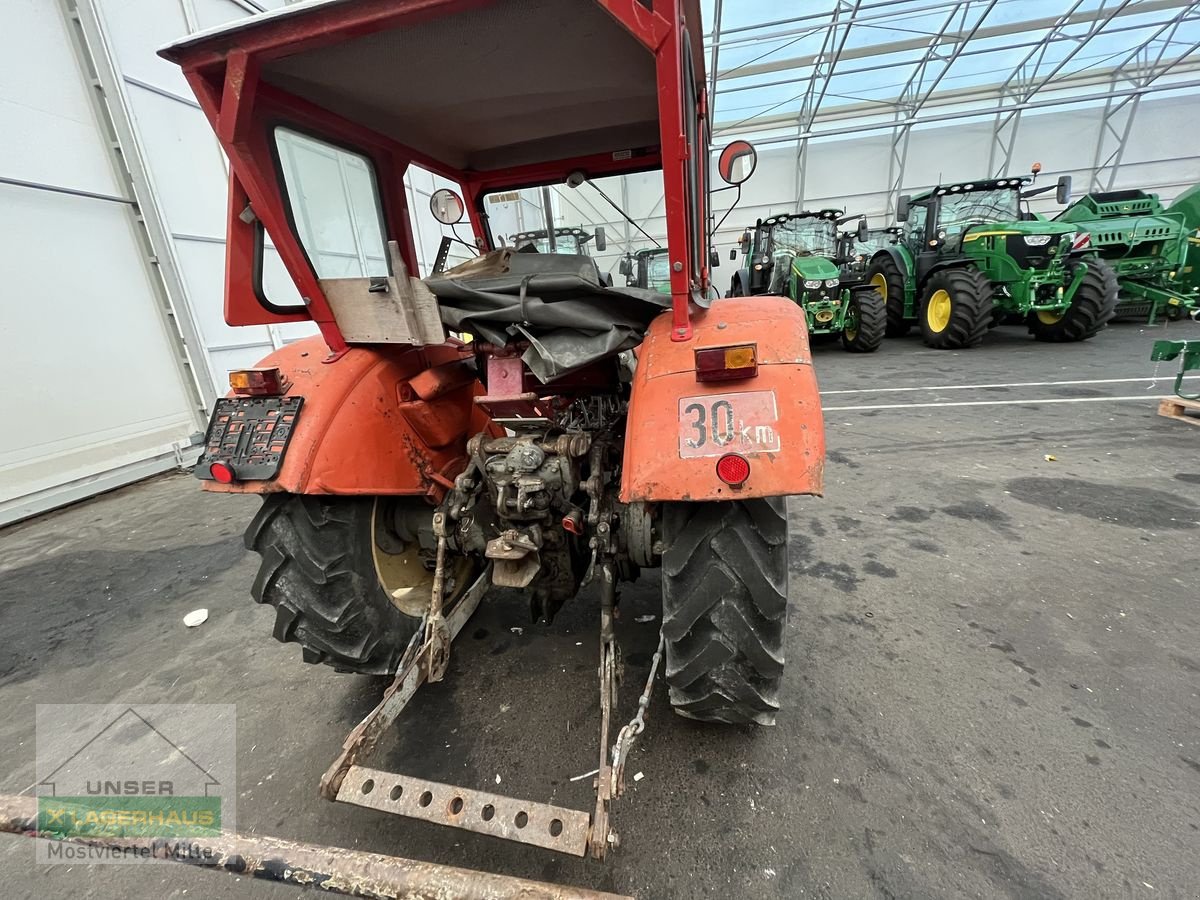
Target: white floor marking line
(995, 402)
(967, 387)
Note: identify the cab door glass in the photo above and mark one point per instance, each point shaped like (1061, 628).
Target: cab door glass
(915, 228)
(333, 198)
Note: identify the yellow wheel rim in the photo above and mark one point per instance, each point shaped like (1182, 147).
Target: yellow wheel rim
(1050, 316)
(403, 576)
(880, 284)
(937, 311)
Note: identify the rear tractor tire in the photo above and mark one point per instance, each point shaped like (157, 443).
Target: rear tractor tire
(1094, 304)
(866, 322)
(884, 276)
(956, 309)
(725, 590)
(345, 585)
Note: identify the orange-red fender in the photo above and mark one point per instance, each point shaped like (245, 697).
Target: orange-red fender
(386, 419)
(773, 419)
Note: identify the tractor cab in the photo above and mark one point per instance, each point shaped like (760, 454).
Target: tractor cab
(855, 249)
(648, 268)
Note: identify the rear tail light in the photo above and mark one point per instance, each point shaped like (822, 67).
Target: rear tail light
(733, 469)
(222, 473)
(726, 363)
(257, 382)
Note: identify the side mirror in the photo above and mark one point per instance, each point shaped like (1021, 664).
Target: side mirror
(1063, 193)
(601, 239)
(733, 253)
(737, 162)
(714, 259)
(447, 207)
(902, 207)
(863, 232)
(625, 267)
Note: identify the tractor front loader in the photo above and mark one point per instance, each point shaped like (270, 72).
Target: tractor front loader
(404, 473)
(968, 259)
(1147, 246)
(793, 255)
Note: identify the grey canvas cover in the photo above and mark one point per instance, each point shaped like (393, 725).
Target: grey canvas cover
(555, 301)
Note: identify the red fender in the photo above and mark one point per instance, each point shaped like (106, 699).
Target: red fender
(773, 419)
(385, 419)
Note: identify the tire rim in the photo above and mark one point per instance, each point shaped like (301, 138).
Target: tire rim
(880, 284)
(403, 575)
(1050, 316)
(851, 325)
(937, 311)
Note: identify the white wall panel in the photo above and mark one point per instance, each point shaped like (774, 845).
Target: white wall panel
(187, 170)
(94, 394)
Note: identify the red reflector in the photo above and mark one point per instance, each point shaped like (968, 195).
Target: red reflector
(733, 469)
(221, 472)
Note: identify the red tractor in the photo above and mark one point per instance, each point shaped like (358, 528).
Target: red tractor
(584, 433)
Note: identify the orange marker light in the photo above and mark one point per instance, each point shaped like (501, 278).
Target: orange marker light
(257, 382)
(726, 363)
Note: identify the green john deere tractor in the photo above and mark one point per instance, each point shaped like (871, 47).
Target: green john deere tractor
(969, 259)
(647, 268)
(793, 256)
(1148, 245)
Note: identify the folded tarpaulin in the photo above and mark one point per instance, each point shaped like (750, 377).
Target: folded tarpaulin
(554, 301)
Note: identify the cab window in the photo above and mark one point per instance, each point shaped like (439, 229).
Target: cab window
(914, 228)
(333, 200)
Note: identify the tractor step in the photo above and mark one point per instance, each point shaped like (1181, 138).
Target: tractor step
(1177, 408)
(551, 827)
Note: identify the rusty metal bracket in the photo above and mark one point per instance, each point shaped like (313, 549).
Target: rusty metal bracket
(543, 825)
(540, 824)
(420, 659)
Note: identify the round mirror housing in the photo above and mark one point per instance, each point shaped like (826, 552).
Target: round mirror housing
(737, 162)
(447, 207)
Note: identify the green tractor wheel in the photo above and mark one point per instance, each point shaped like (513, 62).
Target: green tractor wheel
(884, 276)
(1094, 304)
(956, 308)
(866, 322)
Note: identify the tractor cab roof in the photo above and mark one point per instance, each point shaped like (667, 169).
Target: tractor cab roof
(578, 233)
(971, 187)
(650, 251)
(449, 79)
(830, 214)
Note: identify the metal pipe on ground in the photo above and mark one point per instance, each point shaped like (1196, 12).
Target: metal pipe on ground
(334, 870)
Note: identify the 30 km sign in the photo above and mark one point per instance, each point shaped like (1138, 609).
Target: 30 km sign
(716, 424)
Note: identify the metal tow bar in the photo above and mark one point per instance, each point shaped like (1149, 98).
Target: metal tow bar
(333, 870)
(541, 824)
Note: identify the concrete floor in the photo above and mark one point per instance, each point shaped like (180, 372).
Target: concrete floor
(993, 684)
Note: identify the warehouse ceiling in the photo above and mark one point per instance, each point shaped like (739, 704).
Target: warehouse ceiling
(871, 65)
